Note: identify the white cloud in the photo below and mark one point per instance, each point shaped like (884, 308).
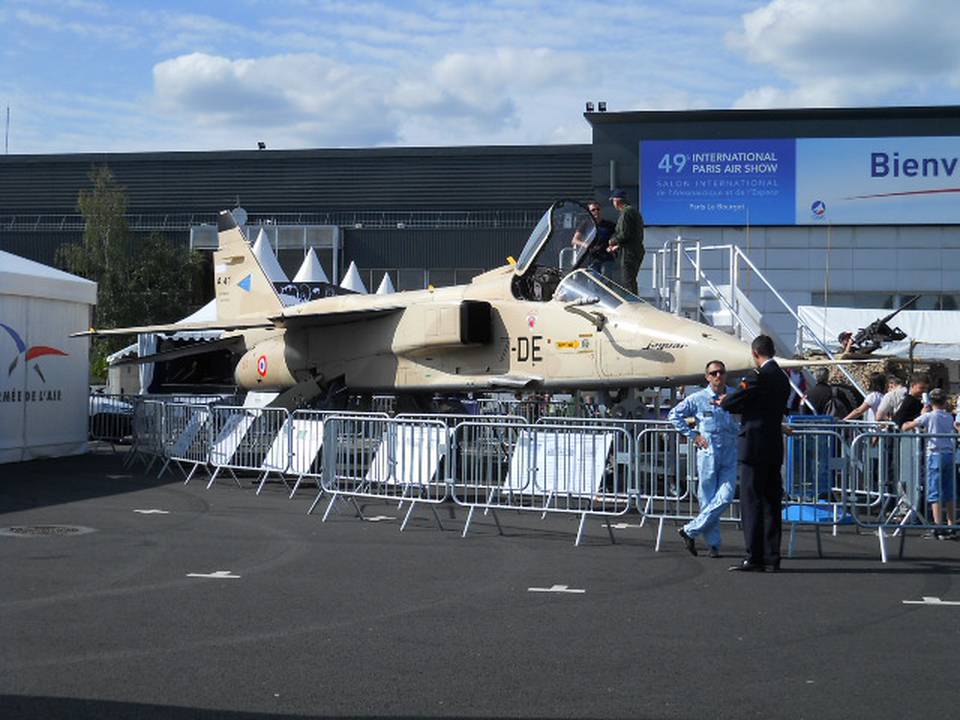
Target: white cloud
(484, 88)
(849, 52)
(317, 101)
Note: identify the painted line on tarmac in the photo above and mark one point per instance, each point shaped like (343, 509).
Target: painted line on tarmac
(216, 575)
(379, 518)
(152, 511)
(623, 526)
(557, 589)
(931, 601)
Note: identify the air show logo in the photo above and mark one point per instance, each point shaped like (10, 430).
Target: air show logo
(29, 353)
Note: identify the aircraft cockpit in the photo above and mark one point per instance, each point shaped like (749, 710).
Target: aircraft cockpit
(553, 262)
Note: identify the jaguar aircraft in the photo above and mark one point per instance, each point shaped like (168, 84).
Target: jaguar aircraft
(544, 322)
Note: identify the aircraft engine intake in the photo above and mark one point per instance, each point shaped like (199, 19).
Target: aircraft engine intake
(265, 367)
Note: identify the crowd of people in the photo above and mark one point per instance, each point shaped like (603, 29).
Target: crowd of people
(750, 448)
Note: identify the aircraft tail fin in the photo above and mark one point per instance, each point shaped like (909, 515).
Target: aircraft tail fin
(243, 288)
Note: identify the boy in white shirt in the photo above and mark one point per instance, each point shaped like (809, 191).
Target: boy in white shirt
(941, 470)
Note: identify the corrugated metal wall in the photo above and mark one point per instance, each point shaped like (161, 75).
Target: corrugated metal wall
(306, 180)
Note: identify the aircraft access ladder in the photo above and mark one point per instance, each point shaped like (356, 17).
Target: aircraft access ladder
(682, 286)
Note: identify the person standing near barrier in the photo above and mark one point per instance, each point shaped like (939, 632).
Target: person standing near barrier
(714, 433)
(941, 471)
(892, 400)
(914, 401)
(761, 402)
(626, 243)
(876, 384)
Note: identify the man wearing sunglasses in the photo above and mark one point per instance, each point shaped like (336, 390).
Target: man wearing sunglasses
(714, 433)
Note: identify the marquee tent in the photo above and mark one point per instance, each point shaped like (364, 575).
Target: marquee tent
(931, 334)
(44, 373)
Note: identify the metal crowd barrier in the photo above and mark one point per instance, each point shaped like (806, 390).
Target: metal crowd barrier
(248, 439)
(834, 473)
(110, 418)
(187, 436)
(307, 446)
(147, 433)
(385, 459)
(560, 468)
(891, 489)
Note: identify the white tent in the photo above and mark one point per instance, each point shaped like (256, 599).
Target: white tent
(311, 271)
(352, 281)
(44, 373)
(268, 261)
(933, 334)
(386, 285)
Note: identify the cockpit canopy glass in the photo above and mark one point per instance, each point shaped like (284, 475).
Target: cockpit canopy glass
(561, 238)
(588, 288)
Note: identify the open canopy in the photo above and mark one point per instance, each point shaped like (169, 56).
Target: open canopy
(561, 238)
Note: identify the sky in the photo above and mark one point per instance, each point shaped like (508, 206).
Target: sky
(123, 76)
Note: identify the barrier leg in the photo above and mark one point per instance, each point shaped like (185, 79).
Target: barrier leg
(547, 505)
(903, 540)
(235, 478)
(333, 501)
(295, 486)
(263, 481)
(610, 530)
(466, 525)
(213, 478)
(656, 547)
(413, 504)
(793, 540)
(315, 501)
(646, 509)
(190, 474)
(583, 519)
(490, 500)
(883, 544)
(164, 468)
(819, 546)
(836, 518)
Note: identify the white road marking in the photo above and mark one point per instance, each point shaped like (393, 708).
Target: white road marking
(931, 601)
(118, 477)
(218, 575)
(378, 518)
(557, 588)
(153, 511)
(623, 526)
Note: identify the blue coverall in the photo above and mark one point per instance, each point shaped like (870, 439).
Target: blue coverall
(716, 464)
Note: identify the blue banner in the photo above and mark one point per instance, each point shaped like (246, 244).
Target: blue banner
(718, 182)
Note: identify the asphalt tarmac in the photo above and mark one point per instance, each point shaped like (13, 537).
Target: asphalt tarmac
(305, 619)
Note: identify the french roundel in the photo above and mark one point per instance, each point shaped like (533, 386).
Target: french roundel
(262, 366)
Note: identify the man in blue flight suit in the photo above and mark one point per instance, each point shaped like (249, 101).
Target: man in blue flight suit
(761, 402)
(715, 436)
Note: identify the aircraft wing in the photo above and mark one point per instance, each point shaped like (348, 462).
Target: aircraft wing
(181, 327)
(200, 348)
(334, 317)
(514, 381)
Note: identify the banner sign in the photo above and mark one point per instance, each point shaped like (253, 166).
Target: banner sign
(806, 181)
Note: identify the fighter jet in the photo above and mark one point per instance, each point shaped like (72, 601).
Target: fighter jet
(544, 322)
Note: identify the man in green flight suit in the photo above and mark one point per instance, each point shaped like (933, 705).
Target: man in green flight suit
(627, 240)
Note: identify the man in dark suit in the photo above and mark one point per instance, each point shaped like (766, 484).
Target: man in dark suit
(761, 402)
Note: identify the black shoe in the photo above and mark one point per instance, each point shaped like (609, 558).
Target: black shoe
(772, 567)
(714, 551)
(688, 541)
(746, 566)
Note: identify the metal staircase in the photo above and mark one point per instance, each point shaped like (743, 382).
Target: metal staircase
(683, 286)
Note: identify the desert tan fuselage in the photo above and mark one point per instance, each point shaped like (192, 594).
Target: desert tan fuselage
(420, 344)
